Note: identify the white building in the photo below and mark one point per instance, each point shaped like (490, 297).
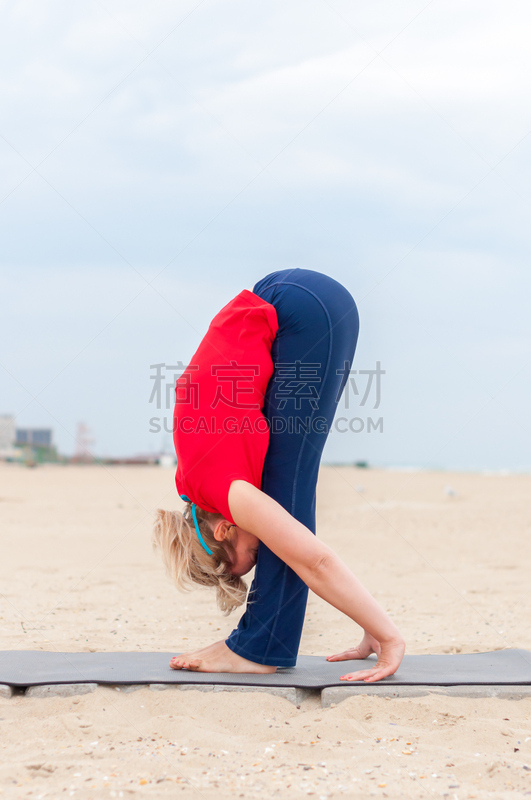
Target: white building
(7, 437)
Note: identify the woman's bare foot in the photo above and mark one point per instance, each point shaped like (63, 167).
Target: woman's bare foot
(217, 658)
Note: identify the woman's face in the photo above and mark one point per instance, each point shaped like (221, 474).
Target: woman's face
(245, 551)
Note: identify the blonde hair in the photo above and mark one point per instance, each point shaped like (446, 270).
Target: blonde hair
(187, 563)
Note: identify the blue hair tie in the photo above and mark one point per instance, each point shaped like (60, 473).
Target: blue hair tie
(194, 517)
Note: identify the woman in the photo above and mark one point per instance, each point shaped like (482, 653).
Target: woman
(252, 414)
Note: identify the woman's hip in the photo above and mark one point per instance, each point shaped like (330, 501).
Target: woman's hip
(304, 299)
(318, 319)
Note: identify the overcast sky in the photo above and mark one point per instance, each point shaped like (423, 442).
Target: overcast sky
(158, 158)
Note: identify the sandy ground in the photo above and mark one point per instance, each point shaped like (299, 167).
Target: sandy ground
(77, 573)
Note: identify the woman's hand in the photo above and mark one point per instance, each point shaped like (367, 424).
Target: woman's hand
(390, 654)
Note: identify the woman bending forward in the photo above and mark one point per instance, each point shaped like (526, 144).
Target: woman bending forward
(252, 414)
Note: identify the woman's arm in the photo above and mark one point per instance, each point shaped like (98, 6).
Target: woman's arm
(320, 568)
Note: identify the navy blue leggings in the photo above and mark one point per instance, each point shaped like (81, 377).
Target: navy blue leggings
(312, 353)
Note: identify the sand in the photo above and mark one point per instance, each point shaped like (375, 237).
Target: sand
(77, 570)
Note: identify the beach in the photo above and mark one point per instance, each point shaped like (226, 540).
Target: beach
(447, 554)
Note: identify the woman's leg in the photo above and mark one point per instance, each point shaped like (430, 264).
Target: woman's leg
(312, 352)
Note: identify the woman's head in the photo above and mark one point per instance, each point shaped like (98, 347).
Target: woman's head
(188, 563)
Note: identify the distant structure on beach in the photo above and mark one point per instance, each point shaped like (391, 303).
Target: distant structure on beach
(7, 437)
(84, 452)
(84, 441)
(34, 437)
(35, 445)
(141, 460)
(25, 444)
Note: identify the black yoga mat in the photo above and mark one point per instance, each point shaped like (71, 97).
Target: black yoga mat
(23, 668)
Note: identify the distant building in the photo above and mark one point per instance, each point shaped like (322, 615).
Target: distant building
(7, 436)
(34, 437)
(21, 444)
(7, 430)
